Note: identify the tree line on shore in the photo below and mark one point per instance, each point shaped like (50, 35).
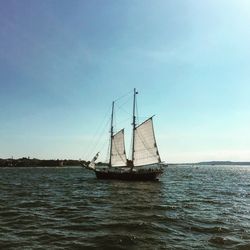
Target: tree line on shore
(27, 162)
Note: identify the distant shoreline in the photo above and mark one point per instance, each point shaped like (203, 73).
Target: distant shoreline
(27, 162)
(240, 163)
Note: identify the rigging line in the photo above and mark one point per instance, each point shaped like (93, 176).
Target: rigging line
(93, 145)
(143, 118)
(117, 150)
(137, 113)
(147, 148)
(94, 138)
(130, 148)
(119, 98)
(120, 106)
(114, 120)
(108, 152)
(123, 121)
(98, 141)
(129, 98)
(124, 110)
(100, 135)
(103, 145)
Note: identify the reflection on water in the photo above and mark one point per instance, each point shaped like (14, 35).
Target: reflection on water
(67, 208)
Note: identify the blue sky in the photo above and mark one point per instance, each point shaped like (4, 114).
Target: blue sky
(63, 62)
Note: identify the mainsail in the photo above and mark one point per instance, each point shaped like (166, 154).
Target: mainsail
(145, 148)
(118, 154)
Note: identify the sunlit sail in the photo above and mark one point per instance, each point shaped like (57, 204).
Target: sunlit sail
(145, 163)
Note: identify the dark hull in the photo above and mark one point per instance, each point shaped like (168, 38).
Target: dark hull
(151, 175)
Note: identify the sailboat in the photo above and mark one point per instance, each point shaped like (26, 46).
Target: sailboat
(145, 163)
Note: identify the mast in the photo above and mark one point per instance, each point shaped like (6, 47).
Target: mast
(133, 124)
(111, 132)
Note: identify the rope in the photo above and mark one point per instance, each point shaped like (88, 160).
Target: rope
(121, 97)
(97, 137)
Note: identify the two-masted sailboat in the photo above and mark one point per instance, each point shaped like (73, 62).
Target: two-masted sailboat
(145, 164)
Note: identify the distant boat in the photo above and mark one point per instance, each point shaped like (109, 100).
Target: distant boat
(145, 163)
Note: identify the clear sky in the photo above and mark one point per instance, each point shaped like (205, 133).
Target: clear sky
(62, 62)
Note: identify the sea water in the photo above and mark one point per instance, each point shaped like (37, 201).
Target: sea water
(204, 207)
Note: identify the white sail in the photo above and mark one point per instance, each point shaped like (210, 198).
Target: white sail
(145, 148)
(118, 154)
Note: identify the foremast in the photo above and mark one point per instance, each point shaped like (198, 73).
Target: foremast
(111, 133)
(117, 157)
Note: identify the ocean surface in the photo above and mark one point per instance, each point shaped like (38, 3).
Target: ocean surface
(205, 207)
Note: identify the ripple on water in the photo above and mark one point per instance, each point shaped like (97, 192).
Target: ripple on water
(67, 208)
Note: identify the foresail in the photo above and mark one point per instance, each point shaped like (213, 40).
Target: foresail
(118, 154)
(145, 148)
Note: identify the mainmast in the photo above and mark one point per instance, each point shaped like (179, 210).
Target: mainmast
(134, 125)
(111, 133)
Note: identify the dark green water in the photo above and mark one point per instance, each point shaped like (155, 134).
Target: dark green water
(52, 208)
